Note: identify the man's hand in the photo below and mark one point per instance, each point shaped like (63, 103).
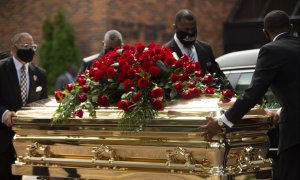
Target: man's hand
(7, 118)
(211, 128)
(274, 117)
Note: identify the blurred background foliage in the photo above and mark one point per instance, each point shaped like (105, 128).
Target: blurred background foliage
(58, 48)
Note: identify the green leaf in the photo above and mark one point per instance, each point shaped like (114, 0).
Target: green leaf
(162, 66)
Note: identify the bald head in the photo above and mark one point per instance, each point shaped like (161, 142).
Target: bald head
(112, 39)
(184, 14)
(276, 22)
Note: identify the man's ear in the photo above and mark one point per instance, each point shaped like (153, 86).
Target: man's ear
(174, 27)
(291, 28)
(267, 34)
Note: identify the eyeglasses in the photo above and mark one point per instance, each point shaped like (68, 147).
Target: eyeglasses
(29, 46)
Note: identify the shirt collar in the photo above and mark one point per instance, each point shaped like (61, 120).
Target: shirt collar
(19, 65)
(180, 45)
(278, 35)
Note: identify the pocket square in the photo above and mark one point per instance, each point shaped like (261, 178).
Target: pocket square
(38, 89)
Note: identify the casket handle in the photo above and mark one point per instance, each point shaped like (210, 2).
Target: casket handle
(99, 153)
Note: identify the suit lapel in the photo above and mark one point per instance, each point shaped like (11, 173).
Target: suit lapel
(14, 81)
(175, 48)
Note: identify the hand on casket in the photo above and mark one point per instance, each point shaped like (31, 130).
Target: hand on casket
(211, 128)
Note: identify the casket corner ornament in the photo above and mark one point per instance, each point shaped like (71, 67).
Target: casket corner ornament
(171, 146)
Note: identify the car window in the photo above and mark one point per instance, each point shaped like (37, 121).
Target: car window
(233, 78)
(243, 82)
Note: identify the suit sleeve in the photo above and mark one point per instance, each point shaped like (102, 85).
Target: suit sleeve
(265, 71)
(215, 68)
(45, 87)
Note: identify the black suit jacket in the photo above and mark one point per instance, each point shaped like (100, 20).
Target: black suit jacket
(205, 57)
(88, 61)
(277, 67)
(10, 93)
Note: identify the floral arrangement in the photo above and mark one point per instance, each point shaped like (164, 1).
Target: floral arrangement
(138, 80)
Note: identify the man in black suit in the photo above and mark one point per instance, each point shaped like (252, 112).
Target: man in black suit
(185, 42)
(21, 82)
(112, 39)
(277, 67)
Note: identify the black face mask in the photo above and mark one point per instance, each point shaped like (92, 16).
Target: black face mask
(25, 55)
(187, 39)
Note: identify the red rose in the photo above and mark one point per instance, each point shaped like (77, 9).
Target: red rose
(99, 74)
(174, 78)
(125, 68)
(190, 69)
(69, 87)
(103, 101)
(184, 77)
(59, 95)
(157, 104)
(111, 72)
(179, 87)
(227, 93)
(143, 83)
(82, 97)
(199, 73)
(179, 63)
(169, 61)
(126, 53)
(86, 88)
(210, 90)
(123, 104)
(191, 84)
(208, 80)
(131, 73)
(185, 58)
(136, 97)
(145, 57)
(156, 58)
(130, 60)
(156, 92)
(140, 47)
(187, 94)
(78, 113)
(154, 71)
(196, 91)
(197, 66)
(128, 84)
(81, 80)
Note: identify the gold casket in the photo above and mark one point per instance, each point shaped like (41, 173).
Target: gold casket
(170, 147)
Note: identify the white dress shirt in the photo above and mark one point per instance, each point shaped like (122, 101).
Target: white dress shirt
(186, 50)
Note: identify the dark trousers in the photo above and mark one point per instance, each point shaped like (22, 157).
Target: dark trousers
(289, 163)
(7, 158)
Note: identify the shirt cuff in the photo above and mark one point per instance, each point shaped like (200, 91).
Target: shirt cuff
(278, 111)
(3, 115)
(225, 120)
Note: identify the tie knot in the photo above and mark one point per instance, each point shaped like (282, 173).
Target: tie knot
(23, 68)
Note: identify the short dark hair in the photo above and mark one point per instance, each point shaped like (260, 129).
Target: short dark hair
(184, 14)
(276, 21)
